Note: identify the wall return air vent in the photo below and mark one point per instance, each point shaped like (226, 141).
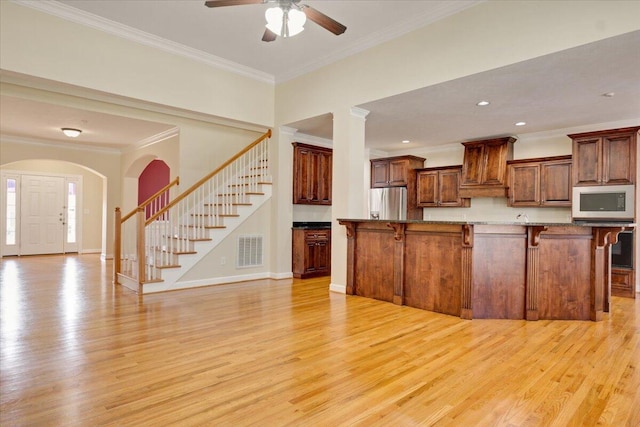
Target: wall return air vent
(250, 251)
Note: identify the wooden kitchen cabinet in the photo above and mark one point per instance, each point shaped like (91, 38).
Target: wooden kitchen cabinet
(622, 282)
(399, 172)
(311, 252)
(540, 182)
(312, 174)
(440, 187)
(484, 168)
(394, 171)
(605, 157)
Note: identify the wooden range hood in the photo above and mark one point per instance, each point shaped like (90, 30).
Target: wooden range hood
(484, 168)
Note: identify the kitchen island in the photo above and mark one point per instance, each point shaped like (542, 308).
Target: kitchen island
(484, 270)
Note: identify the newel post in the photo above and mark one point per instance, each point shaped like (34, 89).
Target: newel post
(140, 252)
(117, 246)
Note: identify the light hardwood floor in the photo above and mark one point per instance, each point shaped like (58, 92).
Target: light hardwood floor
(77, 351)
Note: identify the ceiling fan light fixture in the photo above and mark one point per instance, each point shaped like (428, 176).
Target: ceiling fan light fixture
(285, 23)
(71, 133)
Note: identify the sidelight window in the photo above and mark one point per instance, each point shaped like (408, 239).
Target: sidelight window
(71, 212)
(10, 237)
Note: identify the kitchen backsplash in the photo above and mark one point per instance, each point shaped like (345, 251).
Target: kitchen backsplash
(496, 209)
(311, 213)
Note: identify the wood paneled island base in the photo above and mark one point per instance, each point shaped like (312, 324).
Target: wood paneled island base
(479, 270)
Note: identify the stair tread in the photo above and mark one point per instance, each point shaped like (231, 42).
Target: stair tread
(152, 281)
(232, 204)
(216, 214)
(173, 240)
(190, 239)
(168, 266)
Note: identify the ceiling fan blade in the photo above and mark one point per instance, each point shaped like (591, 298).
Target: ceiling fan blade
(219, 3)
(268, 35)
(323, 20)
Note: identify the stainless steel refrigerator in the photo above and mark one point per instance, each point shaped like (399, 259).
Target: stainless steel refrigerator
(388, 203)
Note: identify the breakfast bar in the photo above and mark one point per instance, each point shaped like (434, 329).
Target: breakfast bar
(484, 270)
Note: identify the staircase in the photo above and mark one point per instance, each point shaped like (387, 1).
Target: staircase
(164, 237)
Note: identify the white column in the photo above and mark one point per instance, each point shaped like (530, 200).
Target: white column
(349, 187)
(281, 159)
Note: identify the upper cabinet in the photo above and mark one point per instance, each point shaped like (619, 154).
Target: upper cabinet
(605, 157)
(440, 187)
(312, 174)
(399, 171)
(484, 168)
(542, 182)
(394, 171)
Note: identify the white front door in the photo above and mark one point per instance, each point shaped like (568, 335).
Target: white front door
(42, 216)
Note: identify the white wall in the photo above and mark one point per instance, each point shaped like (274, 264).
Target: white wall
(37, 44)
(221, 262)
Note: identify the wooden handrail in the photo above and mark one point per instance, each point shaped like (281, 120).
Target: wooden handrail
(208, 177)
(150, 199)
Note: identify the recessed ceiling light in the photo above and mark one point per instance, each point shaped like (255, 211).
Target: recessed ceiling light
(406, 141)
(609, 94)
(482, 103)
(521, 123)
(71, 133)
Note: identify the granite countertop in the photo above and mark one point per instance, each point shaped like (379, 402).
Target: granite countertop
(530, 223)
(312, 225)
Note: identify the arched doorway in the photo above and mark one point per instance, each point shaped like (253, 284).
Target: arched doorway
(152, 179)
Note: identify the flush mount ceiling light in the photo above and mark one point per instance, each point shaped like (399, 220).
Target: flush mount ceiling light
(405, 141)
(609, 94)
(71, 133)
(521, 123)
(483, 103)
(285, 21)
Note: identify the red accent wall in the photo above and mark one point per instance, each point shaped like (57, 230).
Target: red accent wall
(153, 178)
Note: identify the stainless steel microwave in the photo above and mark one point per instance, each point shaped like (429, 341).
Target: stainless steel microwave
(605, 202)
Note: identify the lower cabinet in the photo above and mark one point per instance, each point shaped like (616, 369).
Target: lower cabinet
(622, 283)
(311, 252)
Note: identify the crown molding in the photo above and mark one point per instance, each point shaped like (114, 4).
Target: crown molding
(286, 130)
(416, 22)
(361, 113)
(315, 140)
(14, 84)
(560, 133)
(154, 139)
(67, 145)
(78, 16)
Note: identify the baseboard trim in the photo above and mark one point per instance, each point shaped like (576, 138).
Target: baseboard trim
(220, 280)
(341, 289)
(90, 251)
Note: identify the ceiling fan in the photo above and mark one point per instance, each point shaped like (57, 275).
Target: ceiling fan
(286, 18)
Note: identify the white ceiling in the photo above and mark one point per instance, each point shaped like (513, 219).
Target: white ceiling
(558, 91)
(234, 33)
